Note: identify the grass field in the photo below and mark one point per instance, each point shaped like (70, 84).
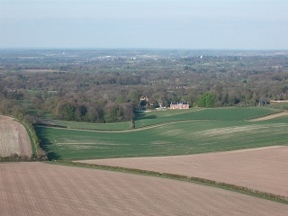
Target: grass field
(145, 119)
(93, 126)
(280, 106)
(219, 114)
(229, 130)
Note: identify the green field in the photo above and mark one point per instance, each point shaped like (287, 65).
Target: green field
(93, 126)
(227, 129)
(158, 117)
(280, 106)
(219, 114)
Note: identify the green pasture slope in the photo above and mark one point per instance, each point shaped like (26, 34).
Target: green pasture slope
(279, 106)
(145, 119)
(190, 132)
(215, 114)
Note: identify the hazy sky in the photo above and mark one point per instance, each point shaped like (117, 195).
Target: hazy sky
(189, 24)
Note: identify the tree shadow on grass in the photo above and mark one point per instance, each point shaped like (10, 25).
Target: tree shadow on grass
(53, 156)
(45, 144)
(141, 116)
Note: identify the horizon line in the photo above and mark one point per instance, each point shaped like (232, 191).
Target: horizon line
(140, 48)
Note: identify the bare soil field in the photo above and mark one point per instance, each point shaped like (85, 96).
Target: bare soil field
(263, 169)
(35, 188)
(13, 138)
(268, 117)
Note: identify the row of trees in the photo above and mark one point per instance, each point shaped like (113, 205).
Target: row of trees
(109, 112)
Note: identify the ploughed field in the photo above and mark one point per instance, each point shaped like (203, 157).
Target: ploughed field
(35, 188)
(262, 169)
(172, 133)
(13, 138)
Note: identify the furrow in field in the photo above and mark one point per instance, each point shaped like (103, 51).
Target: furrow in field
(263, 169)
(13, 138)
(45, 189)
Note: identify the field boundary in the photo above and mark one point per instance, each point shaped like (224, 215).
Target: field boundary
(197, 180)
(32, 141)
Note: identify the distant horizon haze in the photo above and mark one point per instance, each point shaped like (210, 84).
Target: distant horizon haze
(139, 24)
(133, 48)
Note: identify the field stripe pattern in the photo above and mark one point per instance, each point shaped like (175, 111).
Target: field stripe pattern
(263, 169)
(43, 189)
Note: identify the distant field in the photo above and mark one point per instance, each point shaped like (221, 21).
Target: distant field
(13, 138)
(170, 138)
(40, 71)
(44, 189)
(263, 169)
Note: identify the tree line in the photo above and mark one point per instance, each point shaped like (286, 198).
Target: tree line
(110, 90)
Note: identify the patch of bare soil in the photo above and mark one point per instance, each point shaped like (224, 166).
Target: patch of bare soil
(40, 71)
(268, 117)
(279, 101)
(263, 169)
(43, 189)
(13, 138)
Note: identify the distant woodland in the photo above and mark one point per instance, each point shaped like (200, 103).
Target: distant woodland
(106, 85)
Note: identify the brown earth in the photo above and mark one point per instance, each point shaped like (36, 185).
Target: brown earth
(263, 169)
(40, 71)
(36, 188)
(279, 101)
(13, 138)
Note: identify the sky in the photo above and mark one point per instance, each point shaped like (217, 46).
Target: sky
(169, 24)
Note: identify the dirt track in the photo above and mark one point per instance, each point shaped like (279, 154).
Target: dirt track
(268, 117)
(13, 138)
(263, 169)
(42, 189)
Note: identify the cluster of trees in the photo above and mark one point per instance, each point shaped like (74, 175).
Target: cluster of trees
(98, 89)
(206, 100)
(97, 112)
